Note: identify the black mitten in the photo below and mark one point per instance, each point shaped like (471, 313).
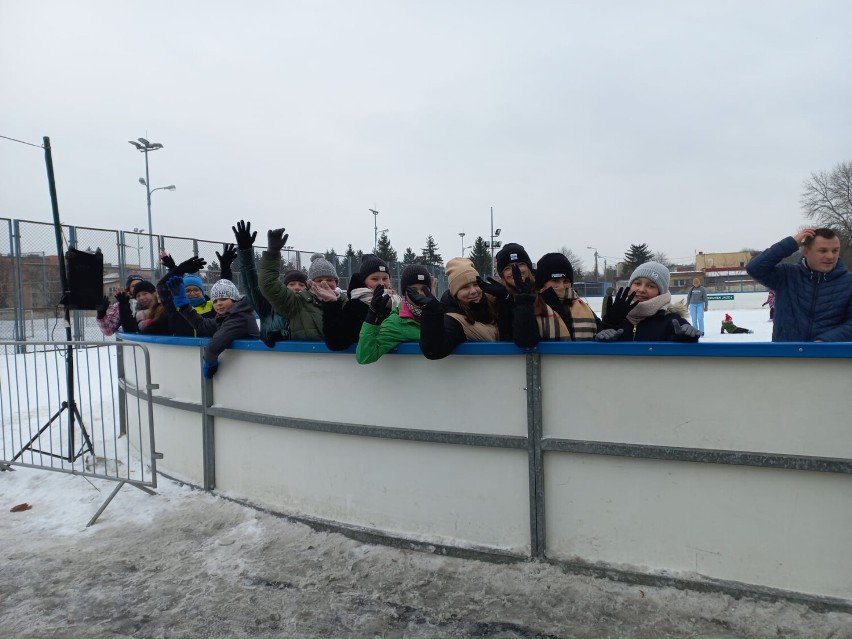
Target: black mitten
(102, 308)
(525, 293)
(378, 310)
(621, 305)
(424, 300)
(493, 288)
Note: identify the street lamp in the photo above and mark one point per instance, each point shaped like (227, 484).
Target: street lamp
(375, 229)
(144, 146)
(592, 248)
(461, 235)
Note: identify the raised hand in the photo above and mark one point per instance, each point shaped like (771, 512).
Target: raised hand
(493, 287)
(243, 234)
(227, 257)
(276, 239)
(525, 293)
(424, 300)
(102, 308)
(621, 305)
(178, 290)
(192, 265)
(167, 260)
(122, 297)
(378, 310)
(685, 331)
(609, 335)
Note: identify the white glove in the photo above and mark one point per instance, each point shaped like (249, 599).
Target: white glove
(685, 330)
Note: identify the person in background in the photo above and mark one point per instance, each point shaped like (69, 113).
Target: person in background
(728, 326)
(384, 328)
(698, 302)
(560, 313)
(770, 300)
(512, 292)
(644, 312)
(186, 271)
(467, 313)
(150, 316)
(197, 296)
(813, 298)
(274, 327)
(303, 310)
(342, 318)
(107, 315)
(235, 319)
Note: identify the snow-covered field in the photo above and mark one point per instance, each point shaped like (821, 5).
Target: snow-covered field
(187, 563)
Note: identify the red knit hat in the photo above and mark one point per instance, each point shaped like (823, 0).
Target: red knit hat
(728, 318)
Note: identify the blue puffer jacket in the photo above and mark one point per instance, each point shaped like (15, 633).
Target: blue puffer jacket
(809, 305)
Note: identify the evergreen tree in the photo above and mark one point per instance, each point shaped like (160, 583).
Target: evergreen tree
(410, 257)
(384, 250)
(430, 255)
(480, 255)
(331, 256)
(350, 261)
(636, 255)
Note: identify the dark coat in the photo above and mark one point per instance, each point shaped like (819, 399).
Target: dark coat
(341, 323)
(440, 333)
(238, 323)
(809, 305)
(656, 328)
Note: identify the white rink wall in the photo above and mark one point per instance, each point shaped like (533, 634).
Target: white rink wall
(603, 455)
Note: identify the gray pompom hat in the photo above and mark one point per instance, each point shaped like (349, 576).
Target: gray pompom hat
(321, 267)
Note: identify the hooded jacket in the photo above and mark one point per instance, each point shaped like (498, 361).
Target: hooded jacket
(238, 323)
(809, 305)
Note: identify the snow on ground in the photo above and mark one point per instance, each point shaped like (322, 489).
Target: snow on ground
(184, 563)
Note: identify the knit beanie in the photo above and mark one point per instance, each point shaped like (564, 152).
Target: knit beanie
(295, 276)
(144, 286)
(132, 277)
(371, 264)
(415, 274)
(655, 272)
(512, 252)
(193, 280)
(459, 272)
(551, 266)
(728, 318)
(321, 267)
(225, 289)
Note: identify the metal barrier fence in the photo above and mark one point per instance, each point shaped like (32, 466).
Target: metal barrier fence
(63, 407)
(29, 271)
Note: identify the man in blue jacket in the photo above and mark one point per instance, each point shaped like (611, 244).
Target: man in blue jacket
(813, 299)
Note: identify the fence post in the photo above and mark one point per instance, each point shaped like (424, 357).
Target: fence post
(536, 466)
(15, 247)
(208, 442)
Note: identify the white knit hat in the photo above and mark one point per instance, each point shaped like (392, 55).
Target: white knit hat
(655, 272)
(225, 289)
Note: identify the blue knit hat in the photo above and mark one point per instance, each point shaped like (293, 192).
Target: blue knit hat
(194, 280)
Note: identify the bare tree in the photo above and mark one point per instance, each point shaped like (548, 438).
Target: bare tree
(576, 262)
(662, 258)
(827, 199)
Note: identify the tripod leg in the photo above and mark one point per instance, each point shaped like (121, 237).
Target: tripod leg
(41, 430)
(87, 446)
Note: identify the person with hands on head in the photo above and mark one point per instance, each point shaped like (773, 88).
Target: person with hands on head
(234, 320)
(384, 328)
(274, 327)
(303, 310)
(559, 312)
(342, 320)
(466, 313)
(813, 298)
(644, 312)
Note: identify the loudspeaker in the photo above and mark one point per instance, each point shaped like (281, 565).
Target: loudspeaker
(85, 279)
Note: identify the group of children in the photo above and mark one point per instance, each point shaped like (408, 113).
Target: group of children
(526, 305)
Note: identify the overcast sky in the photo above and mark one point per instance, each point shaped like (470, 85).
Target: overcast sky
(685, 125)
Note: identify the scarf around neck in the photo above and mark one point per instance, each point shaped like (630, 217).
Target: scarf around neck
(649, 307)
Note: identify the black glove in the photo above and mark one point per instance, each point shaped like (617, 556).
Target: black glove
(102, 308)
(493, 287)
(227, 257)
(621, 305)
(167, 260)
(245, 238)
(378, 310)
(276, 239)
(525, 293)
(192, 265)
(686, 332)
(424, 300)
(122, 297)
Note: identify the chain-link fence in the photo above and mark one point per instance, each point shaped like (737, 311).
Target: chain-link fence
(30, 288)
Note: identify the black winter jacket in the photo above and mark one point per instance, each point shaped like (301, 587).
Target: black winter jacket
(656, 328)
(238, 323)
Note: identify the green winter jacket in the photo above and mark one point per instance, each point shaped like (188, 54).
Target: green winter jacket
(270, 321)
(375, 341)
(302, 310)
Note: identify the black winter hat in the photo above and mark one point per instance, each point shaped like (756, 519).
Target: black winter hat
(415, 274)
(132, 278)
(144, 286)
(550, 267)
(371, 264)
(295, 276)
(512, 252)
